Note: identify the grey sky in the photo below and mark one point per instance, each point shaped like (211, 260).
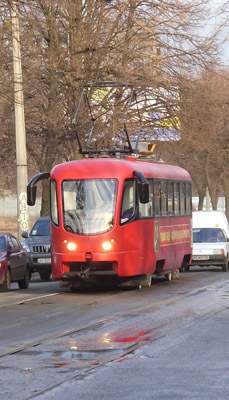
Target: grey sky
(217, 18)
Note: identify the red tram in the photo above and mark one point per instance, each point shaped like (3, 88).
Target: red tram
(117, 220)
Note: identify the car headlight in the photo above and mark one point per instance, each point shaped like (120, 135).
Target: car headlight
(25, 246)
(218, 251)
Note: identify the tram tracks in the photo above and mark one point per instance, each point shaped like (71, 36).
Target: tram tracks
(55, 337)
(85, 371)
(75, 353)
(116, 316)
(43, 394)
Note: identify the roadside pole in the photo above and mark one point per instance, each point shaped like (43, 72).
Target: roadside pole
(21, 154)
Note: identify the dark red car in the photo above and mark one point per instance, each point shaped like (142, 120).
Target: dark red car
(14, 264)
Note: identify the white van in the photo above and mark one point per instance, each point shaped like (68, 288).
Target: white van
(210, 239)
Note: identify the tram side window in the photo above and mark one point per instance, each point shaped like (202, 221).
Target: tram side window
(176, 198)
(128, 201)
(146, 210)
(170, 198)
(164, 197)
(188, 199)
(54, 208)
(182, 198)
(157, 198)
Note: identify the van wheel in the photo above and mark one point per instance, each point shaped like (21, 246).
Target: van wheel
(24, 284)
(225, 267)
(6, 285)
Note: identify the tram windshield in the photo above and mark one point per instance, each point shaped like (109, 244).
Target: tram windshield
(88, 205)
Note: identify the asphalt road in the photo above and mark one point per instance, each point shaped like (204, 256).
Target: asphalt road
(169, 341)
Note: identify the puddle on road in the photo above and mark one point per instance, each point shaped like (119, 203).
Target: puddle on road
(77, 352)
(84, 348)
(143, 336)
(72, 355)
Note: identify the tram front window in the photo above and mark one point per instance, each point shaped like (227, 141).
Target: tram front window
(88, 205)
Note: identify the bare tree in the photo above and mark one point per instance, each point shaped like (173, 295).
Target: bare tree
(204, 145)
(68, 43)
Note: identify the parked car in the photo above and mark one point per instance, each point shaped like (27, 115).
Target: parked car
(210, 239)
(14, 263)
(38, 246)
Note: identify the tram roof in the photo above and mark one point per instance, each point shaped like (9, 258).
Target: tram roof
(92, 168)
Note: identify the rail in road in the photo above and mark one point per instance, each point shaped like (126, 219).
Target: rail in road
(40, 366)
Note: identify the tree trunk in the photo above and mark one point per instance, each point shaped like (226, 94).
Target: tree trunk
(201, 194)
(226, 191)
(45, 205)
(214, 201)
(227, 203)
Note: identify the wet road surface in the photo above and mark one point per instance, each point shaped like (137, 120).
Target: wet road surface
(55, 342)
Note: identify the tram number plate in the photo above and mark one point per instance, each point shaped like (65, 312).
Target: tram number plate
(200, 257)
(44, 260)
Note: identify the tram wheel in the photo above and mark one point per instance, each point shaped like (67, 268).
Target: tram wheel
(176, 274)
(168, 276)
(149, 279)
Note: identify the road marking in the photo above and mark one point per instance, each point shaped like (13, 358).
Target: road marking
(30, 299)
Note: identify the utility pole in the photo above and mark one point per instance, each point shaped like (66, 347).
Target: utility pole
(21, 154)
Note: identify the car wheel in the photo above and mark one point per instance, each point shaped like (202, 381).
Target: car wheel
(24, 284)
(45, 275)
(6, 285)
(225, 267)
(187, 269)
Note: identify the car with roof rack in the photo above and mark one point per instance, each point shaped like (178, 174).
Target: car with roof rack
(38, 246)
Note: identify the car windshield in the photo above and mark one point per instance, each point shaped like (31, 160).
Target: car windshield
(2, 244)
(41, 228)
(211, 235)
(88, 205)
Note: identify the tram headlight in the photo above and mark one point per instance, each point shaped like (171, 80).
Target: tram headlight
(71, 246)
(107, 245)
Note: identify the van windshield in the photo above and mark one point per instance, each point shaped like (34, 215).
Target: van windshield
(211, 235)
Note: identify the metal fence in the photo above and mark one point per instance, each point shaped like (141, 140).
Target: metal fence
(8, 207)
